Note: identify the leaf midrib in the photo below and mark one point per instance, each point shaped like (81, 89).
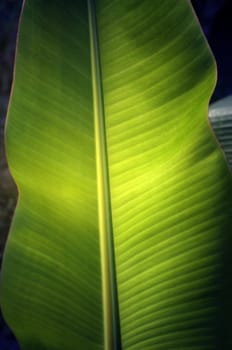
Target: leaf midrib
(112, 336)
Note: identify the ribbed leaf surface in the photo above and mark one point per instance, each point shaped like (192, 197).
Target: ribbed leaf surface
(52, 276)
(169, 188)
(168, 181)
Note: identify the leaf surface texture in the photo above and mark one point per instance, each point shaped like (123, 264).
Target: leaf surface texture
(169, 187)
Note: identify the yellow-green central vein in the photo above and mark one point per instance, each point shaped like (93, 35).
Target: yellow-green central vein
(112, 339)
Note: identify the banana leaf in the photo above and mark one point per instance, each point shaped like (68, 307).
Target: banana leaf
(122, 232)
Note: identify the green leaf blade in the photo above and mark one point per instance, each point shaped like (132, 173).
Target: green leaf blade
(52, 286)
(169, 182)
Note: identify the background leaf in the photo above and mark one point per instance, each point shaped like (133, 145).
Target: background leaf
(220, 114)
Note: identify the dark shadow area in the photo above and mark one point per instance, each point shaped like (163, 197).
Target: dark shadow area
(9, 16)
(215, 17)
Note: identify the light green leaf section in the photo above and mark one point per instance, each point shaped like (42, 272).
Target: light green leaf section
(169, 185)
(220, 114)
(169, 182)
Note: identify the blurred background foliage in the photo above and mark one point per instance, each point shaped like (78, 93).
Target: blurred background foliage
(215, 19)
